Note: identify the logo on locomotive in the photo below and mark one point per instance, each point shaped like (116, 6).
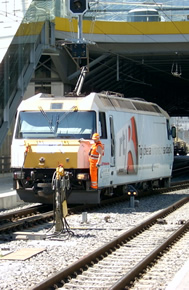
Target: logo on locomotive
(128, 148)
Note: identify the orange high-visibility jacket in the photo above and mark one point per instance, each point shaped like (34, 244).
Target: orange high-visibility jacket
(93, 154)
(93, 158)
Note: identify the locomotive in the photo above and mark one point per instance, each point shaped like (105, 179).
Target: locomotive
(180, 148)
(49, 130)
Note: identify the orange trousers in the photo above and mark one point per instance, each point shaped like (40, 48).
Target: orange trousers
(94, 173)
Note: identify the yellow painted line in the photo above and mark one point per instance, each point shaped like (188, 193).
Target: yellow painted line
(123, 28)
(109, 27)
(29, 29)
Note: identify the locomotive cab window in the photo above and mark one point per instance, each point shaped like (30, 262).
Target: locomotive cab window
(102, 123)
(68, 125)
(168, 130)
(112, 134)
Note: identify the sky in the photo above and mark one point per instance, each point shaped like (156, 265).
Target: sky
(11, 15)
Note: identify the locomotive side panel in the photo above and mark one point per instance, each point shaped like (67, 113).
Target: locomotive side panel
(143, 149)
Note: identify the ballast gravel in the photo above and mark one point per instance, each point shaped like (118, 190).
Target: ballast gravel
(87, 232)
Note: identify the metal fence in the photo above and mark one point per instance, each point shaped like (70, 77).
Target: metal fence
(5, 164)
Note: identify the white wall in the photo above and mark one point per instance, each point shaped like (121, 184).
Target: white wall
(30, 91)
(57, 89)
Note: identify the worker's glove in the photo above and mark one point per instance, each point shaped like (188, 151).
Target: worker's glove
(98, 165)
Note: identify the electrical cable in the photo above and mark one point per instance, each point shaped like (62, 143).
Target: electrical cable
(151, 38)
(65, 226)
(173, 22)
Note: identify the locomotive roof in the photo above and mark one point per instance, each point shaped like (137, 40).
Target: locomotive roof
(104, 100)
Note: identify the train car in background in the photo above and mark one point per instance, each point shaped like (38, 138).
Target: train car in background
(180, 148)
(137, 138)
(143, 15)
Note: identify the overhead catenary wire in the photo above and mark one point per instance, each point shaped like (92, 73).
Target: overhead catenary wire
(98, 3)
(151, 38)
(173, 22)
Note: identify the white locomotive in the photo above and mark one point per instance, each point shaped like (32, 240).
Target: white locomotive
(137, 138)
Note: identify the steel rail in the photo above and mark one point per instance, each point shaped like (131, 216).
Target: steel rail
(81, 263)
(139, 268)
(25, 222)
(23, 212)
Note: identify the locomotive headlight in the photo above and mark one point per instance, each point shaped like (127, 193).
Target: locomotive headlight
(83, 176)
(18, 175)
(32, 174)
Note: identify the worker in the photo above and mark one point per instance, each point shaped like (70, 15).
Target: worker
(95, 157)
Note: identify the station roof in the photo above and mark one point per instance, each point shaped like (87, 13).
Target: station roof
(146, 64)
(150, 62)
(153, 66)
(162, 78)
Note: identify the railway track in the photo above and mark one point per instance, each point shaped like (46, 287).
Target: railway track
(24, 218)
(116, 264)
(18, 214)
(30, 217)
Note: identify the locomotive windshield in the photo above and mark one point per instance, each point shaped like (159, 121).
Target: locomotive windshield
(69, 125)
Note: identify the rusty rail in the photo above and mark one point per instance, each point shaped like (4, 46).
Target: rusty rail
(81, 263)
